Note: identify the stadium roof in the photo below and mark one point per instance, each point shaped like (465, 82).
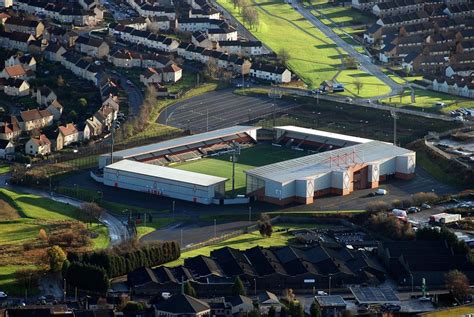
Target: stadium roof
(322, 163)
(166, 173)
(374, 295)
(324, 134)
(187, 140)
(330, 300)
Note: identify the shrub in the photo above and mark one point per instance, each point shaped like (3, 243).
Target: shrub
(377, 206)
(422, 197)
(97, 279)
(390, 227)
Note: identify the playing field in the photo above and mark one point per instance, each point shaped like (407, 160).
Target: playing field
(259, 155)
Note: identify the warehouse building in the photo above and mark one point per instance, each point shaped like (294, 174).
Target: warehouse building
(169, 151)
(338, 172)
(164, 181)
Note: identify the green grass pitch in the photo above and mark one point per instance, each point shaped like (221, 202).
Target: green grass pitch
(259, 155)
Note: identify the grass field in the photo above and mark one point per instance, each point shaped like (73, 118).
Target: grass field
(247, 241)
(426, 99)
(22, 217)
(221, 166)
(313, 56)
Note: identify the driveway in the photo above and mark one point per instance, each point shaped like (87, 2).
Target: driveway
(364, 60)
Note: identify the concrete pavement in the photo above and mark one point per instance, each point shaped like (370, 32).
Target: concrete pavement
(364, 60)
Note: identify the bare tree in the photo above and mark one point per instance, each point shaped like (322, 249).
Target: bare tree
(458, 284)
(92, 210)
(284, 56)
(358, 85)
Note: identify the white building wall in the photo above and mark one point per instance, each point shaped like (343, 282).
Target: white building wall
(406, 163)
(373, 172)
(387, 167)
(337, 179)
(302, 186)
(323, 181)
(158, 186)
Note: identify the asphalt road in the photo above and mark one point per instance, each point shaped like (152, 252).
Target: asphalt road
(134, 94)
(220, 109)
(364, 60)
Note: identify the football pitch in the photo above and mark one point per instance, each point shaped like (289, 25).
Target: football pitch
(258, 155)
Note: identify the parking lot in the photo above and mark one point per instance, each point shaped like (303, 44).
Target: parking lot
(220, 109)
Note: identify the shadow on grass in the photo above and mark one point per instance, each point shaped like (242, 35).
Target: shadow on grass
(50, 206)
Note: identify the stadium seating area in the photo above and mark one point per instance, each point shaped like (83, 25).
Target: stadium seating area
(196, 151)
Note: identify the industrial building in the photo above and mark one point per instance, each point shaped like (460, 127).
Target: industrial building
(164, 181)
(166, 152)
(339, 172)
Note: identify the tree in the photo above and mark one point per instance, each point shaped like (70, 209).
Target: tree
(56, 257)
(42, 235)
(72, 116)
(458, 284)
(284, 56)
(60, 81)
(254, 313)
(350, 62)
(92, 210)
(358, 85)
(314, 310)
(271, 312)
(238, 287)
(189, 289)
(133, 307)
(83, 102)
(296, 309)
(265, 226)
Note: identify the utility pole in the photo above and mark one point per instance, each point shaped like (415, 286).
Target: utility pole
(181, 239)
(207, 120)
(173, 208)
(112, 144)
(215, 229)
(250, 215)
(235, 151)
(64, 291)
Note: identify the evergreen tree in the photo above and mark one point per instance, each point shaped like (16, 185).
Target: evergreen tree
(189, 289)
(272, 312)
(314, 310)
(238, 287)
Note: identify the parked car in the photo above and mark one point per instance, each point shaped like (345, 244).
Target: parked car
(3, 295)
(381, 192)
(390, 308)
(425, 206)
(413, 210)
(321, 293)
(349, 99)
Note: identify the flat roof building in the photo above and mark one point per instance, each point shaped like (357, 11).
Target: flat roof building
(339, 171)
(164, 181)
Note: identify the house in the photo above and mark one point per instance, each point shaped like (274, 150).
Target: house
(35, 119)
(19, 24)
(15, 71)
(182, 306)
(44, 96)
(171, 73)
(16, 40)
(95, 127)
(84, 131)
(56, 109)
(266, 300)
(92, 46)
(330, 305)
(230, 306)
(6, 3)
(7, 149)
(67, 134)
(276, 74)
(9, 128)
(160, 23)
(27, 61)
(16, 87)
(54, 52)
(38, 146)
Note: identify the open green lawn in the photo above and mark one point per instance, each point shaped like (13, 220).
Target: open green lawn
(255, 156)
(342, 15)
(7, 277)
(313, 56)
(246, 241)
(4, 169)
(36, 207)
(426, 99)
(157, 223)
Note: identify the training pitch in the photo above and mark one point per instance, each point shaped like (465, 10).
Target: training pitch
(258, 155)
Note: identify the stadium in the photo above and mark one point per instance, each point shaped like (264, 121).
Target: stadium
(282, 165)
